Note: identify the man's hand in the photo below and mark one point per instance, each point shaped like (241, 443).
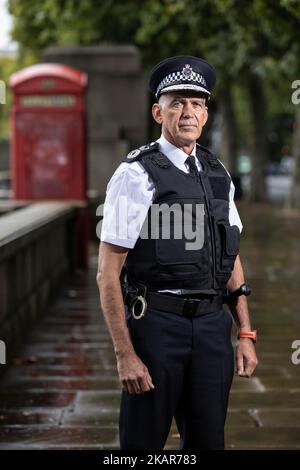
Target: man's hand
(246, 359)
(134, 375)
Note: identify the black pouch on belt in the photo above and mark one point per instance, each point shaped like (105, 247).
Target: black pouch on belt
(134, 295)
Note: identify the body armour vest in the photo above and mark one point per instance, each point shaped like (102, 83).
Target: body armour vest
(186, 241)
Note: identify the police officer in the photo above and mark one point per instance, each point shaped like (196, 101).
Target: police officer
(162, 293)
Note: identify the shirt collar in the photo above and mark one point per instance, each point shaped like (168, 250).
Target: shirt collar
(177, 156)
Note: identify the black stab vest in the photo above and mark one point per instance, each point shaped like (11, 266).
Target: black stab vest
(166, 263)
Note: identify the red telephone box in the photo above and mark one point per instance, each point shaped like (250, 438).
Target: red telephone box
(48, 151)
(48, 147)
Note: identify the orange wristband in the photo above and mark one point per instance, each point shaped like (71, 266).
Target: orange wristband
(248, 334)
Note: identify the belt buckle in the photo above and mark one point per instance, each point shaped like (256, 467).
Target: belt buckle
(190, 307)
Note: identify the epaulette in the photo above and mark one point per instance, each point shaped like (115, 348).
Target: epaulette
(210, 157)
(136, 154)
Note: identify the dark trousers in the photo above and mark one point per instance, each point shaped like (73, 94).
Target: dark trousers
(191, 365)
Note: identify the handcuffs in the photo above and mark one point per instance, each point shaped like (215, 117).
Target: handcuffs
(138, 306)
(143, 302)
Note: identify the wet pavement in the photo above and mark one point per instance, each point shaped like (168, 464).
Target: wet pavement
(63, 392)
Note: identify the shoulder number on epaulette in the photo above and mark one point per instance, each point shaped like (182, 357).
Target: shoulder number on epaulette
(137, 153)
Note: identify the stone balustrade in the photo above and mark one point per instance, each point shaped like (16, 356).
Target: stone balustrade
(37, 252)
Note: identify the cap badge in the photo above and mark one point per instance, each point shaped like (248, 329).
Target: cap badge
(187, 71)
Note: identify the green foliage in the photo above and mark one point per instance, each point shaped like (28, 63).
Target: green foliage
(235, 35)
(68, 22)
(7, 67)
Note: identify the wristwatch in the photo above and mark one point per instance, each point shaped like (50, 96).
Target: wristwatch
(248, 334)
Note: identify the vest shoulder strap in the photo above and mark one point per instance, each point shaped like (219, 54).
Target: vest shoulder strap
(210, 158)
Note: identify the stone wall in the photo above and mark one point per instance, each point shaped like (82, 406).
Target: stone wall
(116, 103)
(37, 252)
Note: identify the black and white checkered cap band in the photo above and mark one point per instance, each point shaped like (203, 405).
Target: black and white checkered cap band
(171, 81)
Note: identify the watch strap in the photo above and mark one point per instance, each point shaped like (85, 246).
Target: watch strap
(248, 334)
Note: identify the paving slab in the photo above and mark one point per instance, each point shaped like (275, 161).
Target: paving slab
(54, 385)
(242, 438)
(58, 438)
(18, 400)
(29, 417)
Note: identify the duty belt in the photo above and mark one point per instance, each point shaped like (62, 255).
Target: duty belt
(138, 298)
(184, 306)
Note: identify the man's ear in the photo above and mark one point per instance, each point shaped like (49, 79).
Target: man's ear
(156, 113)
(205, 117)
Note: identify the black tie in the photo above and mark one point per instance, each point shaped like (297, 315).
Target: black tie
(192, 165)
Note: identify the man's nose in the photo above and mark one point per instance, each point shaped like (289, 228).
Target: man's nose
(187, 109)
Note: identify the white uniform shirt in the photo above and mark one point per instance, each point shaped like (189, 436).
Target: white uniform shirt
(130, 193)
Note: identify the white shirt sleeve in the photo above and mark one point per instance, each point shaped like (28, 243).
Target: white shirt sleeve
(129, 195)
(234, 218)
